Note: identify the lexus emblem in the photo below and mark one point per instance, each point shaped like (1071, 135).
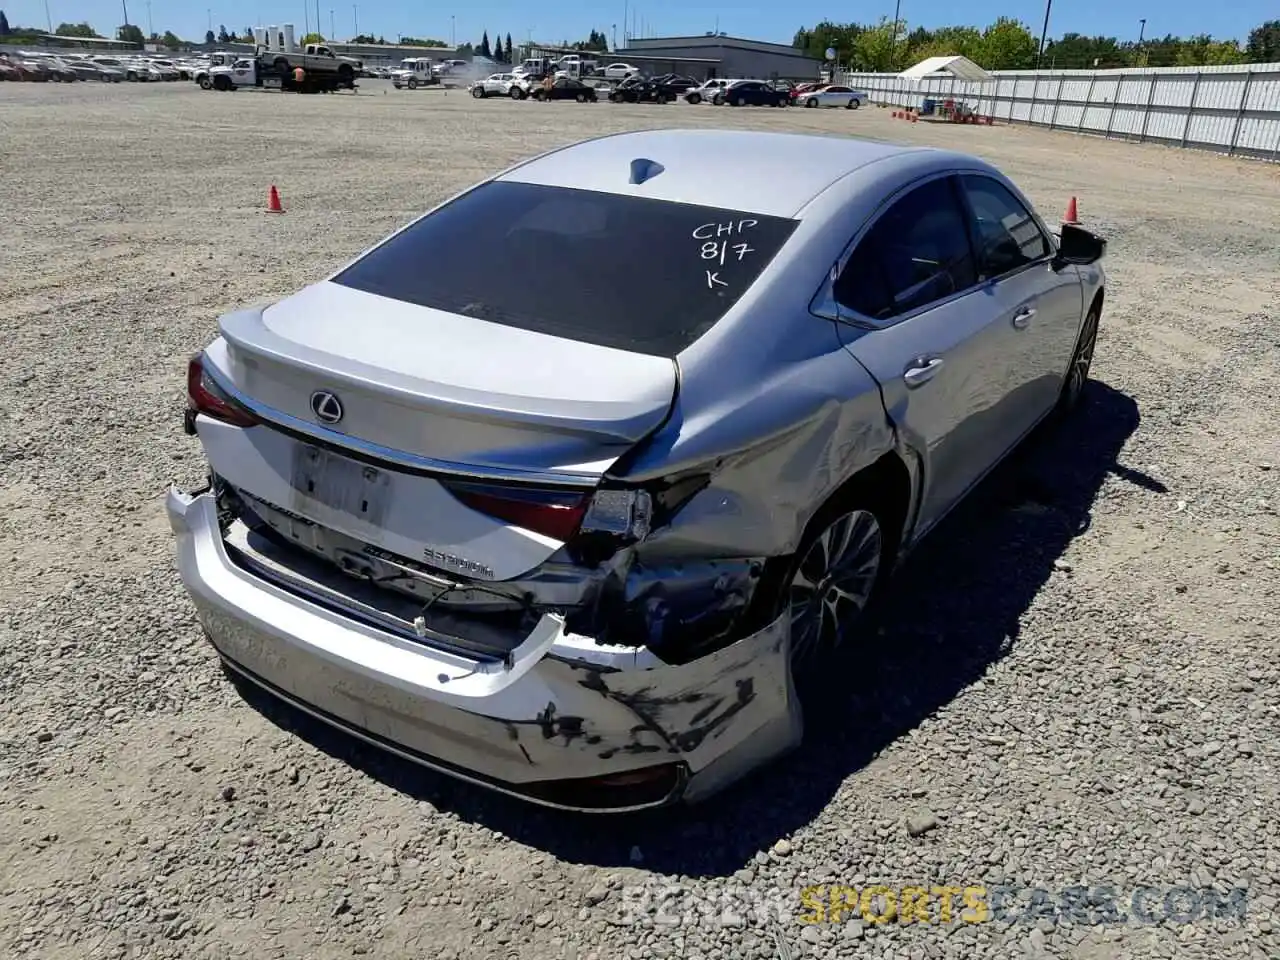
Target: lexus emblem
(326, 406)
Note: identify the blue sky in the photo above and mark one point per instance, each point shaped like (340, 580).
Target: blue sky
(551, 23)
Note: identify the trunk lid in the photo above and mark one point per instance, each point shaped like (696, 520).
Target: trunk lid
(440, 390)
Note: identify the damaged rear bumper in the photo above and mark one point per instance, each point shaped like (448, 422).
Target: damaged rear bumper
(563, 722)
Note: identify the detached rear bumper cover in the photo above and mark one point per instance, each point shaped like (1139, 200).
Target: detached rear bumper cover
(562, 709)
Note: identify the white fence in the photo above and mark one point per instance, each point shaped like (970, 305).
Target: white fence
(1233, 110)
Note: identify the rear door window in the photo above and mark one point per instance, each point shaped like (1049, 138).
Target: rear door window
(917, 252)
(649, 276)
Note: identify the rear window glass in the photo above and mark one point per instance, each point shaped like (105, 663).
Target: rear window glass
(633, 273)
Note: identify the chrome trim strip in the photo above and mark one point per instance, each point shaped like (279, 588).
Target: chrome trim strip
(424, 761)
(376, 451)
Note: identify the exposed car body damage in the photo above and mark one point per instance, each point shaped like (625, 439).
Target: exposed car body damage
(547, 723)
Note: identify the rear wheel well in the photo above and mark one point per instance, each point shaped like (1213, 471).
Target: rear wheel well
(884, 486)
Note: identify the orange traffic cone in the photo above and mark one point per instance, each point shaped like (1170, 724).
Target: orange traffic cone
(273, 201)
(1072, 214)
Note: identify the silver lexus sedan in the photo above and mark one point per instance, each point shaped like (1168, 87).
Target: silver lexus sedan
(559, 487)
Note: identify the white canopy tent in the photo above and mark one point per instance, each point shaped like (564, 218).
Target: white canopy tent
(965, 80)
(962, 68)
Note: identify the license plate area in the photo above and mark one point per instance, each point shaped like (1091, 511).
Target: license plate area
(271, 83)
(341, 484)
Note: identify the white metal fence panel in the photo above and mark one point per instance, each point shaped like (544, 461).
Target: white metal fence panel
(1229, 109)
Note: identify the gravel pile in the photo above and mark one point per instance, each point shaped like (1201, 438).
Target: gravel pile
(1075, 684)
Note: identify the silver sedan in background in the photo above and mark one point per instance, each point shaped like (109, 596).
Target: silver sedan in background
(559, 487)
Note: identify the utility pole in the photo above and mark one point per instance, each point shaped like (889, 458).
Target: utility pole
(151, 31)
(893, 44)
(453, 33)
(47, 17)
(319, 22)
(1142, 29)
(125, 8)
(1044, 32)
(355, 19)
(333, 31)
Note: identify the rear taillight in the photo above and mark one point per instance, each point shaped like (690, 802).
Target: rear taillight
(551, 512)
(599, 521)
(207, 398)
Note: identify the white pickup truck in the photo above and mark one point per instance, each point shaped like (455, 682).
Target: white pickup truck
(253, 72)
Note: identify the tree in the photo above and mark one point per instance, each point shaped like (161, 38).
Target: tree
(223, 36)
(130, 33)
(1263, 45)
(4, 25)
(419, 42)
(1008, 45)
(209, 37)
(171, 40)
(484, 50)
(312, 38)
(497, 49)
(75, 30)
(508, 48)
(880, 48)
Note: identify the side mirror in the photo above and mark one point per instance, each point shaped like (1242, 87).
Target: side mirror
(1078, 246)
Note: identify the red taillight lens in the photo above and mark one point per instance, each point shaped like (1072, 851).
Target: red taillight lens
(553, 513)
(205, 397)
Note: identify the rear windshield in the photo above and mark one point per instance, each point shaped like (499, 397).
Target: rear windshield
(633, 273)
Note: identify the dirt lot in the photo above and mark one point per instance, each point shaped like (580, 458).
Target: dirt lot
(1076, 683)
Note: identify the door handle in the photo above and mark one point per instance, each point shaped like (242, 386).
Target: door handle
(921, 371)
(1022, 319)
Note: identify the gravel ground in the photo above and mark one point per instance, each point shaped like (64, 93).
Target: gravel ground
(1075, 683)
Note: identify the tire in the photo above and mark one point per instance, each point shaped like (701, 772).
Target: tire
(836, 575)
(718, 100)
(132, 76)
(206, 83)
(478, 92)
(694, 98)
(413, 83)
(735, 102)
(811, 102)
(614, 98)
(515, 93)
(1081, 362)
(784, 102)
(581, 98)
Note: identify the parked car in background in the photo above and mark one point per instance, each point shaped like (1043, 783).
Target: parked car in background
(31, 71)
(677, 82)
(494, 85)
(800, 88)
(591, 580)
(752, 93)
(565, 88)
(59, 70)
(638, 90)
(8, 71)
(832, 95)
(619, 71)
(706, 93)
(167, 69)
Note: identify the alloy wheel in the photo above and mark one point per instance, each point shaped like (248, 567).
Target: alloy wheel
(833, 583)
(1078, 376)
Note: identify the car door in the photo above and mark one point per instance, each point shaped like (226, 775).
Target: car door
(916, 319)
(242, 73)
(1041, 304)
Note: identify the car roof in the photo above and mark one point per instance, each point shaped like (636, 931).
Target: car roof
(774, 174)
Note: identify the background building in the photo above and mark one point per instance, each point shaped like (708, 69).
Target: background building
(734, 57)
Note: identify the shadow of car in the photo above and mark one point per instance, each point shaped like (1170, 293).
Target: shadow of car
(981, 570)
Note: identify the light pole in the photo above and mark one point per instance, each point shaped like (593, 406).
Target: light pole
(333, 31)
(355, 19)
(1044, 32)
(615, 36)
(151, 30)
(48, 18)
(453, 34)
(1142, 29)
